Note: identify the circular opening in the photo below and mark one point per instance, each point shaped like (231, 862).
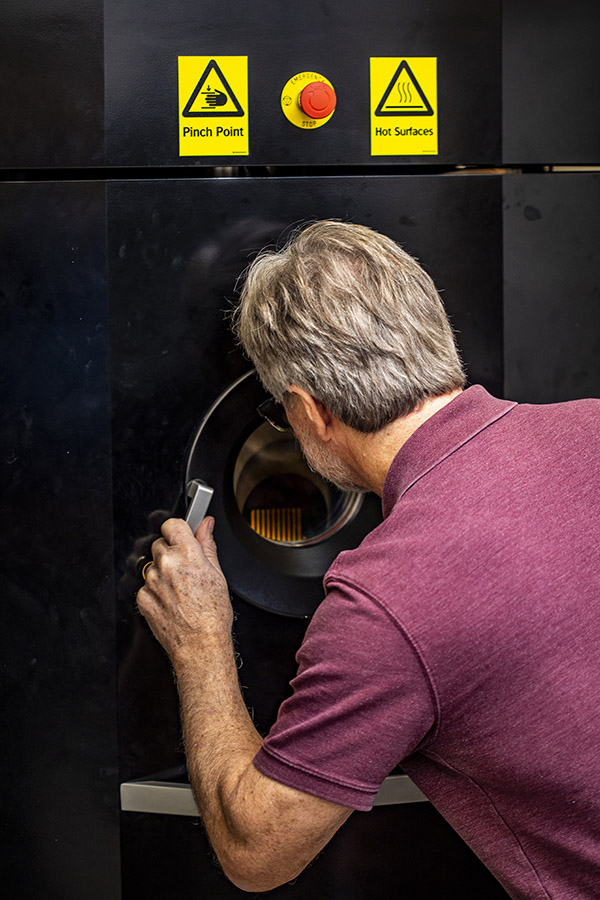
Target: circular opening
(280, 498)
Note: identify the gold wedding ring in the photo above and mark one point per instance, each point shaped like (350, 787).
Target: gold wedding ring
(149, 563)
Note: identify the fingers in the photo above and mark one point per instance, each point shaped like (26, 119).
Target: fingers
(179, 550)
(178, 535)
(176, 530)
(158, 551)
(204, 536)
(158, 546)
(204, 531)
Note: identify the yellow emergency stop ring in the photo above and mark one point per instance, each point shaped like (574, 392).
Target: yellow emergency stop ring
(290, 100)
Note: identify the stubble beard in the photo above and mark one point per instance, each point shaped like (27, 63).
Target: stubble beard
(325, 464)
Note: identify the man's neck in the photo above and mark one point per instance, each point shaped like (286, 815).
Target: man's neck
(371, 455)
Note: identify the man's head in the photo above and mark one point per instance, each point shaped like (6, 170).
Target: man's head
(346, 314)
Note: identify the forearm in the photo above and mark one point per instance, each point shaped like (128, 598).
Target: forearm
(220, 739)
(262, 832)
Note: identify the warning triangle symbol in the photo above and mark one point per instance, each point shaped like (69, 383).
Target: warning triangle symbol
(212, 96)
(404, 96)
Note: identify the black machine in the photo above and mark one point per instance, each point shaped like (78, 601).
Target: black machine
(149, 151)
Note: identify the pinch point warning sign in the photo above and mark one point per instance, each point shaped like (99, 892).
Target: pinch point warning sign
(213, 106)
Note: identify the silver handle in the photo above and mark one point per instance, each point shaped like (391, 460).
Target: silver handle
(176, 799)
(200, 495)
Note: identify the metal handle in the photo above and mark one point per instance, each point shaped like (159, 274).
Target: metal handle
(176, 799)
(200, 495)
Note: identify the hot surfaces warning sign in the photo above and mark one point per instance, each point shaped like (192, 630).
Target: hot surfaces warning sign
(404, 106)
(213, 106)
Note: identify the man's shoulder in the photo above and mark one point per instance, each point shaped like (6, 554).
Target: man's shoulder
(582, 413)
(378, 554)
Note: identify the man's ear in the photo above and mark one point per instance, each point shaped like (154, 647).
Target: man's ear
(314, 410)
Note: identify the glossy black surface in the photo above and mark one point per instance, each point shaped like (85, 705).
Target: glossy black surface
(516, 81)
(550, 81)
(59, 748)
(395, 851)
(52, 83)
(552, 287)
(145, 37)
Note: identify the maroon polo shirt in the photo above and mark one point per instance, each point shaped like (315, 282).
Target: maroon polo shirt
(462, 640)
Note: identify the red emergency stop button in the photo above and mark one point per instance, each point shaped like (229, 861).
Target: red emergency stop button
(318, 100)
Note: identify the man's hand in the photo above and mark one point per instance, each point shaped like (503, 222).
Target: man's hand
(185, 599)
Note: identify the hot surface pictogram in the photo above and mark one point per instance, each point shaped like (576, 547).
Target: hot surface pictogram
(404, 113)
(404, 95)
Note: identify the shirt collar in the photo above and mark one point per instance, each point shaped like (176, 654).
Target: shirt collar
(439, 436)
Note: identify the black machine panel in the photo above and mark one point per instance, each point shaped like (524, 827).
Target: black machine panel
(552, 287)
(59, 747)
(52, 84)
(390, 852)
(145, 38)
(514, 83)
(549, 82)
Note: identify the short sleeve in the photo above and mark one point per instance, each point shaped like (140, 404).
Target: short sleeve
(361, 703)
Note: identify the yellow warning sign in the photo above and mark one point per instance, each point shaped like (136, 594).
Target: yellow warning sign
(213, 106)
(404, 106)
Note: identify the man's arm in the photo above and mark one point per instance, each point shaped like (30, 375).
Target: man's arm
(263, 832)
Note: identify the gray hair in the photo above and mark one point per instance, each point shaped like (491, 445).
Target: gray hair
(349, 316)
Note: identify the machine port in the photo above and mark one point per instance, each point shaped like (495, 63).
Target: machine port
(280, 498)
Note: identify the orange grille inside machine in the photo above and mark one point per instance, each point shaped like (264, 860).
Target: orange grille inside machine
(277, 524)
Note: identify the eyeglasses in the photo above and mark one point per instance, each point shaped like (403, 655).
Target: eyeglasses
(275, 414)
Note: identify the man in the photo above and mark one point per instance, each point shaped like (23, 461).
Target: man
(461, 638)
